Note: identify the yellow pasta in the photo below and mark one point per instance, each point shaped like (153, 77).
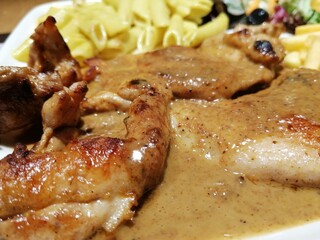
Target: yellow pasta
(179, 7)
(149, 39)
(293, 59)
(297, 42)
(121, 44)
(129, 43)
(218, 25)
(104, 14)
(111, 28)
(22, 52)
(192, 10)
(160, 13)
(96, 32)
(125, 11)
(80, 48)
(174, 34)
(198, 9)
(189, 29)
(312, 59)
(303, 49)
(305, 29)
(141, 10)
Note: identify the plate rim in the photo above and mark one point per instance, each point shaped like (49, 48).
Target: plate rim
(309, 230)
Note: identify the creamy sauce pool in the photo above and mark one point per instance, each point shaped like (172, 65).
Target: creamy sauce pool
(198, 199)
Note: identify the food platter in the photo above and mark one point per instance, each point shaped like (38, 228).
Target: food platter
(26, 27)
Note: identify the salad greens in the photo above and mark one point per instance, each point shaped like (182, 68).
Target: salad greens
(291, 13)
(302, 7)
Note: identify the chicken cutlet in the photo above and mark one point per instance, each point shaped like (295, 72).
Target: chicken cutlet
(86, 182)
(271, 135)
(90, 184)
(217, 69)
(238, 167)
(122, 169)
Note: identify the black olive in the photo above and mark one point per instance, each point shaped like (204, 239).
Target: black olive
(257, 16)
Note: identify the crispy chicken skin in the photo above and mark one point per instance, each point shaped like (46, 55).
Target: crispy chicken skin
(23, 90)
(93, 182)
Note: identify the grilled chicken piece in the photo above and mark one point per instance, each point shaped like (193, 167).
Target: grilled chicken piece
(49, 53)
(93, 182)
(24, 90)
(62, 109)
(22, 93)
(215, 70)
(275, 134)
(259, 47)
(270, 135)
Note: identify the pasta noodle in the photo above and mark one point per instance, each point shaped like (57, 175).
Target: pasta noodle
(22, 52)
(140, 9)
(220, 24)
(173, 35)
(125, 11)
(160, 13)
(198, 9)
(189, 29)
(110, 28)
(149, 38)
(96, 32)
(192, 10)
(80, 48)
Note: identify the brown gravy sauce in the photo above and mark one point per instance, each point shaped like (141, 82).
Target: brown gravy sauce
(199, 199)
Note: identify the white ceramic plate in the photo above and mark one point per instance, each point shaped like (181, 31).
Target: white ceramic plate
(26, 27)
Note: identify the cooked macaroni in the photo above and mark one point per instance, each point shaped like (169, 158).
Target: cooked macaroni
(111, 28)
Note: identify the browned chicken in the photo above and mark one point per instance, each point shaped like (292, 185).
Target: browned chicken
(275, 134)
(49, 53)
(217, 69)
(261, 48)
(24, 90)
(270, 135)
(61, 110)
(92, 183)
(22, 93)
